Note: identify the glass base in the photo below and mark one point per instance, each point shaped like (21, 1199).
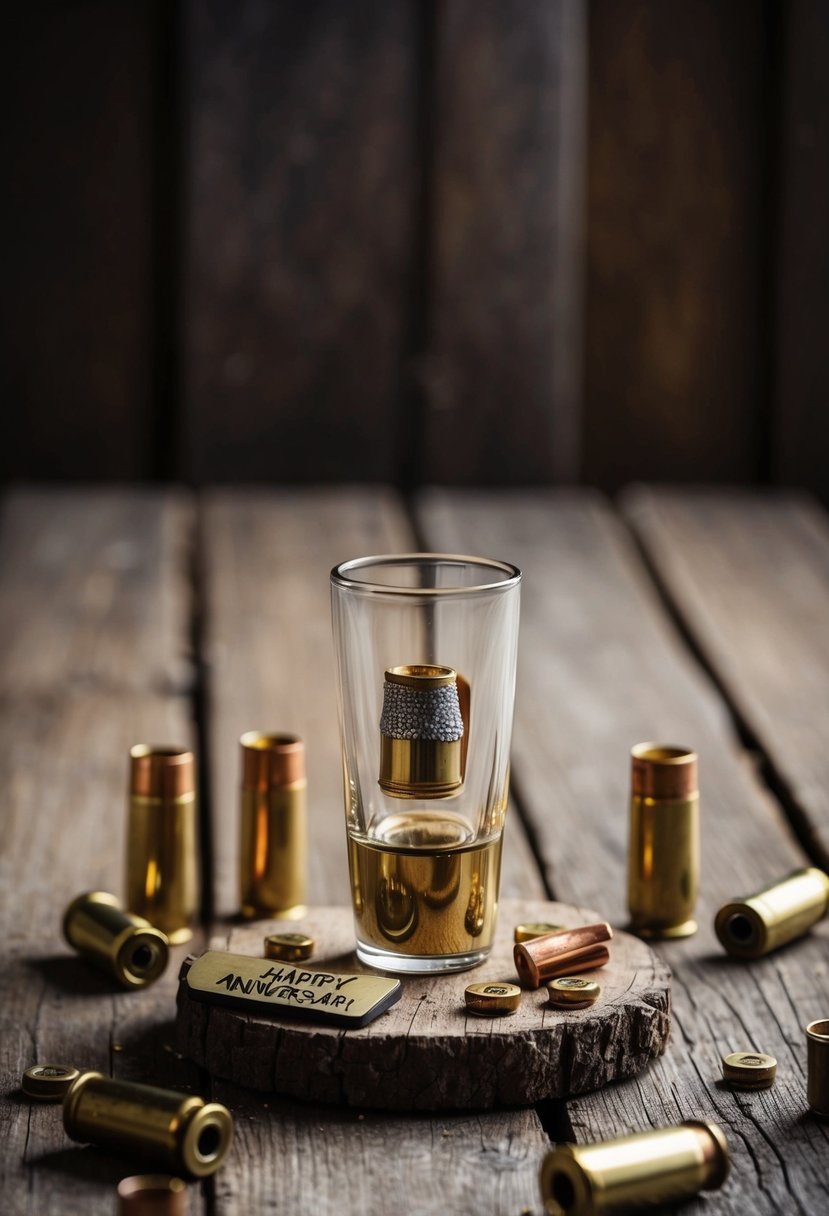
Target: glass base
(419, 964)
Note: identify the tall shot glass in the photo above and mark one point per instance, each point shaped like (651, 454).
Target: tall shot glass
(426, 650)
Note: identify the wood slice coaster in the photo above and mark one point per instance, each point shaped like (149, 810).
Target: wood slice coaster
(427, 1052)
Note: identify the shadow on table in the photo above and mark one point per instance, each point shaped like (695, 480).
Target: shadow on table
(73, 976)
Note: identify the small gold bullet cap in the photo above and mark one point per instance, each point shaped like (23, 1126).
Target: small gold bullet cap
(573, 992)
(48, 1082)
(494, 999)
(526, 932)
(152, 1195)
(289, 947)
(749, 1069)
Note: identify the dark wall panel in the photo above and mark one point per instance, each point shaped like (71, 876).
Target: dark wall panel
(501, 379)
(801, 405)
(76, 249)
(676, 259)
(300, 119)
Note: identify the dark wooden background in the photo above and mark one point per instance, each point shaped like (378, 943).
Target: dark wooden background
(459, 241)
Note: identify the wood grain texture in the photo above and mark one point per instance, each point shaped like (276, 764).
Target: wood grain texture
(427, 1052)
(311, 1160)
(77, 242)
(749, 577)
(675, 175)
(76, 569)
(300, 120)
(87, 602)
(800, 436)
(502, 370)
(601, 668)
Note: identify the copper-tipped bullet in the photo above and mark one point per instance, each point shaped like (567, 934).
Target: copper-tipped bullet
(562, 953)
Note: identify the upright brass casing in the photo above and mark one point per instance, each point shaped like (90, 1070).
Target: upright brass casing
(127, 947)
(663, 847)
(175, 1132)
(634, 1172)
(422, 765)
(817, 1063)
(775, 915)
(274, 840)
(162, 839)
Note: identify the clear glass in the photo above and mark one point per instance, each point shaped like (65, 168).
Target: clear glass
(426, 650)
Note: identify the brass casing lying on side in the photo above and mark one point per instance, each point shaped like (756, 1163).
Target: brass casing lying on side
(663, 848)
(817, 1049)
(780, 912)
(273, 852)
(424, 767)
(179, 1133)
(162, 839)
(126, 946)
(634, 1172)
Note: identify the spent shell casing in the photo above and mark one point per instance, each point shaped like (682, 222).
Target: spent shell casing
(775, 915)
(663, 846)
(162, 844)
(175, 1132)
(817, 1063)
(493, 999)
(562, 953)
(634, 1172)
(120, 943)
(274, 846)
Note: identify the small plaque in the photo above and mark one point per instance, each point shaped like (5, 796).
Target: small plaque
(281, 988)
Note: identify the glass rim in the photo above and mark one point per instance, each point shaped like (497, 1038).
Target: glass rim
(341, 572)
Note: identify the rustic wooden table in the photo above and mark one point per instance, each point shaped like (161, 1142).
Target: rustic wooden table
(137, 615)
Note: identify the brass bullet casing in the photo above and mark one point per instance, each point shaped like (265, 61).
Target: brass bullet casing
(174, 1132)
(493, 999)
(817, 1062)
(48, 1082)
(120, 943)
(749, 1069)
(663, 845)
(526, 933)
(562, 953)
(634, 1172)
(573, 992)
(152, 1195)
(162, 845)
(422, 732)
(273, 853)
(775, 915)
(289, 947)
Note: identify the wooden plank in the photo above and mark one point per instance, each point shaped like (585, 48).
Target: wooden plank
(87, 601)
(300, 123)
(77, 246)
(675, 174)
(64, 773)
(801, 365)
(267, 556)
(601, 668)
(749, 577)
(504, 327)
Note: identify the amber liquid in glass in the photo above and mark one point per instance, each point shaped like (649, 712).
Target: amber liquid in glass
(423, 887)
